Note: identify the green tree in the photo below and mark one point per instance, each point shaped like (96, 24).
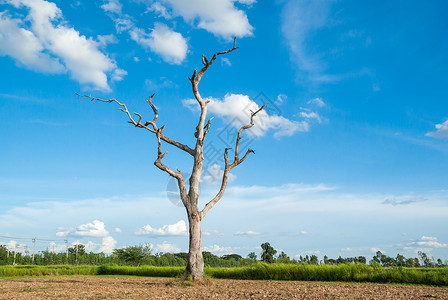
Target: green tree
(268, 253)
(231, 256)
(135, 255)
(252, 256)
(283, 258)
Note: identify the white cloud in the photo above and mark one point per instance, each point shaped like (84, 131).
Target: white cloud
(219, 17)
(428, 241)
(90, 246)
(280, 99)
(303, 232)
(247, 233)
(108, 245)
(93, 229)
(220, 250)
(57, 248)
(22, 45)
(49, 32)
(113, 6)
(317, 101)
(104, 40)
(12, 245)
(166, 247)
(123, 24)
(170, 45)
(235, 109)
(117, 230)
(158, 8)
(425, 244)
(225, 62)
(213, 175)
(211, 232)
(441, 131)
(61, 231)
(180, 228)
(246, 2)
(310, 115)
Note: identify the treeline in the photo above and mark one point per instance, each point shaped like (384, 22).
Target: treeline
(142, 255)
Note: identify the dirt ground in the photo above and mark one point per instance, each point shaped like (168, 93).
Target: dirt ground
(103, 287)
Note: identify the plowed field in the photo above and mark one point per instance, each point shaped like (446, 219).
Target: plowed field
(103, 287)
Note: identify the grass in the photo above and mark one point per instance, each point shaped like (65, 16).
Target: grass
(31, 270)
(259, 271)
(149, 271)
(345, 272)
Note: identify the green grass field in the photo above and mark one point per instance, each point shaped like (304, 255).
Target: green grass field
(260, 271)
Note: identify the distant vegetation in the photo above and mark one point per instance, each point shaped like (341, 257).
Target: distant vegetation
(142, 255)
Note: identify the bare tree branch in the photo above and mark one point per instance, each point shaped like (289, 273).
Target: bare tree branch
(197, 76)
(237, 160)
(228, 167)
(207, 128)
(153, 127)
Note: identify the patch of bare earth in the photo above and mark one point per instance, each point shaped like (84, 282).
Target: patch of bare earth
(96, 287)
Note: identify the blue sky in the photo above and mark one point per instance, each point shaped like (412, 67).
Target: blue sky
(351, 153)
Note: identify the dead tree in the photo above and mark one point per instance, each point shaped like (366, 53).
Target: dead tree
(190, 197)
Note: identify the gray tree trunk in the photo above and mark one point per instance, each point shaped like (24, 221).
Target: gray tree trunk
(195, 265)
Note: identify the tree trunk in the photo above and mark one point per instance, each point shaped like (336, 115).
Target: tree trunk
(195, 260)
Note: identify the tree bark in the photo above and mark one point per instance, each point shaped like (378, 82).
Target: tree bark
(195, 265)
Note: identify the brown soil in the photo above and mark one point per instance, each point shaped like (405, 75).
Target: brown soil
(85, 287)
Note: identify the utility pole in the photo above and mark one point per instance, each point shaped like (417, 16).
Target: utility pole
(76, 254)
(34, 247)
(66, 242)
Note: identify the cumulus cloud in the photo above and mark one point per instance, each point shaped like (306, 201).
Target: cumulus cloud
(94, 229)
(213, 175)
(170, 45)
(108, 245)
(49, 35)
(163, 41)
(441, 131)
(235, 109)
(23, 46)
(178, 229)
(246, 233)
(219, 17)
(166, 247)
